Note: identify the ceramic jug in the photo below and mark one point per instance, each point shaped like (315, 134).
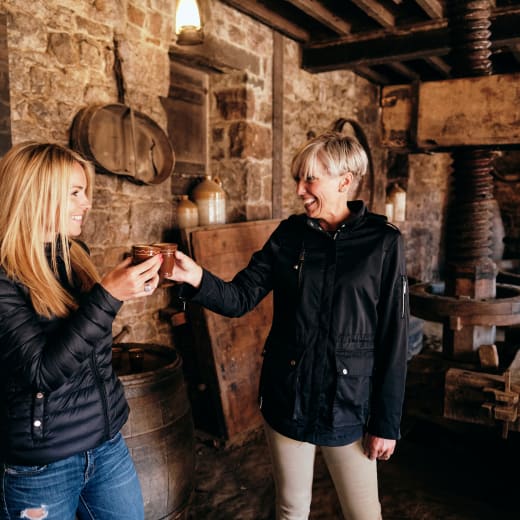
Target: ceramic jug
(187, 213)
(211, 201)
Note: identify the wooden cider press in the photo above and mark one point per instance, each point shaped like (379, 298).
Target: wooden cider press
(471, 115)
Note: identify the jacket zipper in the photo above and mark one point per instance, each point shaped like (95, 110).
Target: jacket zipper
(102, 391)
(299, 267)
(403, 299)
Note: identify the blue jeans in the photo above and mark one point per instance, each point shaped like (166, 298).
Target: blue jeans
(99, 484)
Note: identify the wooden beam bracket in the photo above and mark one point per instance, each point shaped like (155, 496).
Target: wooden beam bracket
(506, 413)
(482, 398)
(502, 396)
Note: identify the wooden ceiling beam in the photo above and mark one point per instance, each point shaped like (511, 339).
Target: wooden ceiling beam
(318, 12)
(372, 75)
(439, 65)
(402, 44)
(270, 18)
(404, 71)
(376, 11)
(433, 8)
(515, 51)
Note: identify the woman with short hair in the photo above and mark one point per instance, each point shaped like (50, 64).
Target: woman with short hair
(335, 358)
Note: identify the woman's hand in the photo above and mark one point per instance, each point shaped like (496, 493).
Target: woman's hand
(128, 281)
(186, 270)
(377, 447)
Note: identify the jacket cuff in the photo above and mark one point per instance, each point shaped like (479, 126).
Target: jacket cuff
(105, 299)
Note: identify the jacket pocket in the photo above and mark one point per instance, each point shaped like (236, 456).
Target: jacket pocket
(279, 381)
(353, 385)
(38, 416)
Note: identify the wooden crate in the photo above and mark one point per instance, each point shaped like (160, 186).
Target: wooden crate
(228, 351)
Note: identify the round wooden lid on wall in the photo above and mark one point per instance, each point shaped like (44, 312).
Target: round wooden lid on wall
(122, 141)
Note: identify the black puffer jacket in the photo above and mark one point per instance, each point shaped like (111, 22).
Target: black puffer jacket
(335, 358)
(58, 392)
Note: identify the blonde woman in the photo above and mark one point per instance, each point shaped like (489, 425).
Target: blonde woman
(61, 404)
(334, 364)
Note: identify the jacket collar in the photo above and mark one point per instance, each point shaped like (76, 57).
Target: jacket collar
(358, 211)
(59, 248)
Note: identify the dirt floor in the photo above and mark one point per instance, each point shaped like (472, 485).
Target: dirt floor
(435, 474)
(438, 472)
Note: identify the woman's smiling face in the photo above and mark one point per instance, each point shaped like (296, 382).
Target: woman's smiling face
(324, 196)
(79, 202)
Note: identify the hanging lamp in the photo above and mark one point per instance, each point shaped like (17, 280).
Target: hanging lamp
(188, 28)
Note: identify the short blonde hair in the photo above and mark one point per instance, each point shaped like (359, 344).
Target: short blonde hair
(338, 153)
(34, 200)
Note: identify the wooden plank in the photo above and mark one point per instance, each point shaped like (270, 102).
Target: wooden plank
(396, 116)
(243, 238)
(433, 8)
(323, 15)
(475, 111)
(480, 398)
(482, 111)
(404, 71)
(381, 49)
(270, 18)
(278, 114)
(231, 347)
(376, 11)
(439, 65)
(372, 75)
(488, 356)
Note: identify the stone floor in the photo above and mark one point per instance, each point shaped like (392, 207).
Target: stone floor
(435, 474)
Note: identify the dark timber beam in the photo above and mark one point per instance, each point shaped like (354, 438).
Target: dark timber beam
(321, 14)
(403, 44)
(372, 75)
(439, 65)
(276, 21)
(433, 8)
(376, 11)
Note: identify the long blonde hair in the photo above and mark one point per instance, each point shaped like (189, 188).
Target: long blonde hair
(34, 200)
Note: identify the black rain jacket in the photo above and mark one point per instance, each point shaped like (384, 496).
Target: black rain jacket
(58, 392)
(335, 358)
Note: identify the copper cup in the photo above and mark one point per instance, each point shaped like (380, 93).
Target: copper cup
(141, 252)
(116, 357)
(167, 250)
(136, 358)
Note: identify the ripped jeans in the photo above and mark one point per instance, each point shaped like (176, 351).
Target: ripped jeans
(97, 484)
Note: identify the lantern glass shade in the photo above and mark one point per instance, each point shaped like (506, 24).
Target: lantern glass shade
(188, 27)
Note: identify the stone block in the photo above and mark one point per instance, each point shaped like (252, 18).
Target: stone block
(135, 15)
(64, 47)
(250, 140)
(235, 103)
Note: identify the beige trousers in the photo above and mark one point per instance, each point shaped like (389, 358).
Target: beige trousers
(353, 473)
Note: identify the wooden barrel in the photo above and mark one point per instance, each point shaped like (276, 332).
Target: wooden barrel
(160, 432)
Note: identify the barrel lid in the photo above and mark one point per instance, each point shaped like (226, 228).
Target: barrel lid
(123, 141)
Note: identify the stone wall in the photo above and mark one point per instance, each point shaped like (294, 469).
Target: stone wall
(313, 103)
(507, 193)
(5, 110)
(61, 59)
(426, 208)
